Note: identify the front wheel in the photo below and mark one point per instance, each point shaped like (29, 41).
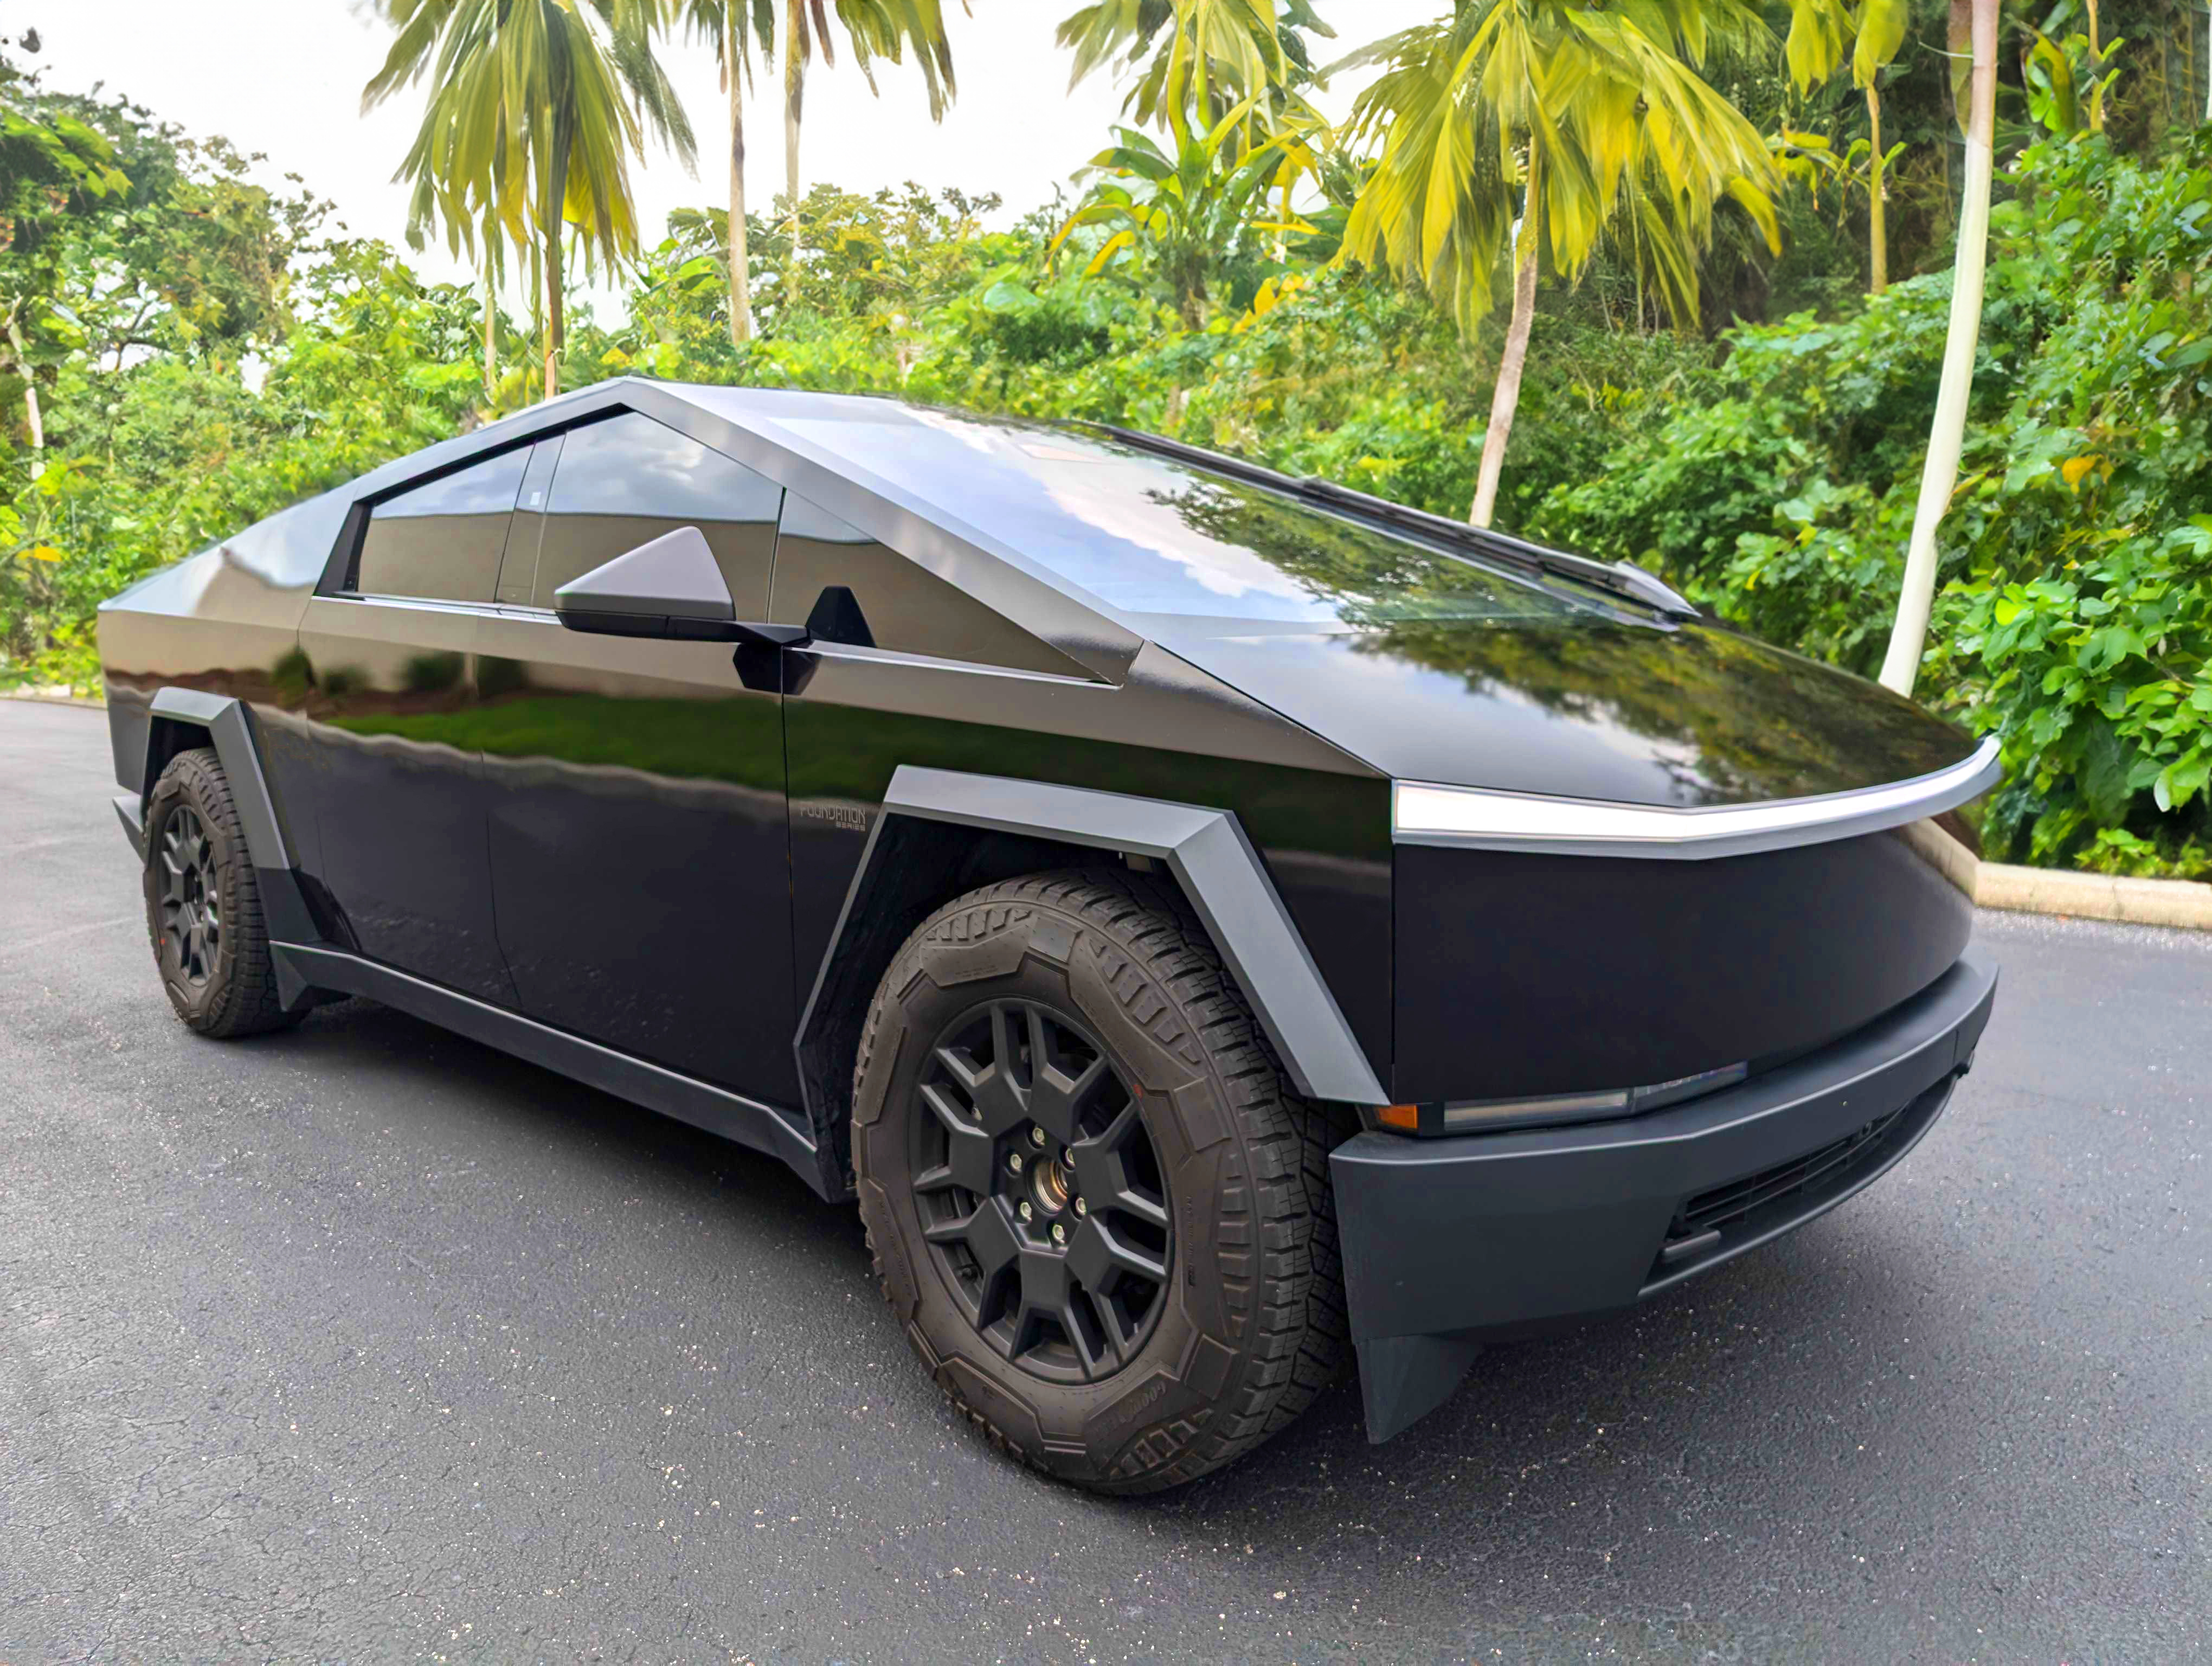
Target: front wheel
(1096, 1209)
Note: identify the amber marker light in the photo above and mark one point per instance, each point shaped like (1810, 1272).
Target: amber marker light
(1407, 1119)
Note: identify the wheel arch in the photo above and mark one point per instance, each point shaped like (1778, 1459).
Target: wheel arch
(942, 833)
(182, 720)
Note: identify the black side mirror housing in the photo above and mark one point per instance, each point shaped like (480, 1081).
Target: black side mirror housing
(670, 587)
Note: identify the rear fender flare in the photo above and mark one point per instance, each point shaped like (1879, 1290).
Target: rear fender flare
(183, 719)
(930, 819)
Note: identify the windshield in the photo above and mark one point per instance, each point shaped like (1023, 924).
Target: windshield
(1146, 534)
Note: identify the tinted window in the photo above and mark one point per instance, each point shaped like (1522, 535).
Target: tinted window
(1149, 535)
(629, 479)
(847, 588)
(444, 540)
(517, 573)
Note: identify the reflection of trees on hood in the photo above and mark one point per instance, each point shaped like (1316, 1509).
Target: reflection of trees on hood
(1737, 719)
(1730, 717)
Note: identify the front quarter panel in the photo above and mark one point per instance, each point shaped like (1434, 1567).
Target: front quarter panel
(224, 621)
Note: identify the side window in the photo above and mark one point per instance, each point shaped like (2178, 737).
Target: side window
(517, 573)
(629, 479)
(442, 541)
(846, 588)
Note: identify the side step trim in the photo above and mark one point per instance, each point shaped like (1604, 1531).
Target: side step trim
(301, 969)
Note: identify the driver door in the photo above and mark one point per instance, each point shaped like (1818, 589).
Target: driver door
(637, 839)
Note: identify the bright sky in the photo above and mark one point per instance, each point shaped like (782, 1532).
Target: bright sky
(284, 78)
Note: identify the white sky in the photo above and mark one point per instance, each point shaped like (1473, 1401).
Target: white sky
(284, 78)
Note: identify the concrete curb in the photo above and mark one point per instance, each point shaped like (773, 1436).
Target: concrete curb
(50, 697)
(2181, 902)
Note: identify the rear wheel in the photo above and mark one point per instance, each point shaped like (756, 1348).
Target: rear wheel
(1096, 1207)
(204, 905)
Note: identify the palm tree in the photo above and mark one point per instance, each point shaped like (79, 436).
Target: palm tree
(1586, 122)
(734, 26)
(1818, 29)
(534, 112)
(1974, 38)
(874, 28)
(1187, 209)
(1219, 54)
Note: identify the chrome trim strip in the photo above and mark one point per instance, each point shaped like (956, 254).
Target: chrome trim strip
(1423, 812)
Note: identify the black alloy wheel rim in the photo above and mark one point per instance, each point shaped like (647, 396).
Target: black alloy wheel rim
(1040, 1191)
(191, 897)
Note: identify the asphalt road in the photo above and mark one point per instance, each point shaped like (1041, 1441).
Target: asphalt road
(363, 1342)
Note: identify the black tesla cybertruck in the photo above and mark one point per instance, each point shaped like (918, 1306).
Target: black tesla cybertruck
(1212, 922)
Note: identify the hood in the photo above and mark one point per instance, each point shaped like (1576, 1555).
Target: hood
(1687, 715)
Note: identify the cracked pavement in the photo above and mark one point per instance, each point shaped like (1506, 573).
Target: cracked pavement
(364, 1342)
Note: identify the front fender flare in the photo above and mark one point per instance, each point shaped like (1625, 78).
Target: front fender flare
(1221, 875)
(229, 729)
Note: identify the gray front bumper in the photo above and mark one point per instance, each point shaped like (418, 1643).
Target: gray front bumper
(1448, 1242)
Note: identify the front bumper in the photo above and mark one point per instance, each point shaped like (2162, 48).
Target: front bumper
(1449, 1242)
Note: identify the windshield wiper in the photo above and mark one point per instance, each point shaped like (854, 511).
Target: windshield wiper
(1616, 578)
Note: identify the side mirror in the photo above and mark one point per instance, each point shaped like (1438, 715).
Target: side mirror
(670, 586)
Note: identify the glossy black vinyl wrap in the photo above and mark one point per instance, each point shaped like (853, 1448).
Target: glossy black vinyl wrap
(1520, 974)
(647, 843)
(679, 871)
(1586, 707)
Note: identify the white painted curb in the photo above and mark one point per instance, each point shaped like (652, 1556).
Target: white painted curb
(2182, 902)
(51, 696)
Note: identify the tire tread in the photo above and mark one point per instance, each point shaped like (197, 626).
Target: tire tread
(1171, 981)
(249, 1004)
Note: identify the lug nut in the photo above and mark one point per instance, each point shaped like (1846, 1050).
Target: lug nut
(1023, 1211)
(1058, 1233)
(1081, 1207)
(1036, 1136)
(1014, 1162)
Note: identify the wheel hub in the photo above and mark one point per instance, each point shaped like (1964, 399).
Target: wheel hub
(191, 897)
(1040, 1191)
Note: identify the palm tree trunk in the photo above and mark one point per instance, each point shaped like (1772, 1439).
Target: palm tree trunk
(33, 418)
(794, 92)
(2096, 80)
(490, 334)
(555, 323)
(1877, 215)
(741, 302)
(1977, 19)
(1506, 397)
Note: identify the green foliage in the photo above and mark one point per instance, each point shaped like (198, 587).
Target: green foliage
(2077, 623)
(182, 288)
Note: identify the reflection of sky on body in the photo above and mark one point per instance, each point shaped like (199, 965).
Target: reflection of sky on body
(1109, 520)
(482, 488)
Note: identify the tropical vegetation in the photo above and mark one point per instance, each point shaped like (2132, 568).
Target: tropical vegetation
(1718, 241)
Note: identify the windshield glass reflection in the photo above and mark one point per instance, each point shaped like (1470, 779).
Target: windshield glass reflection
(1146, 535)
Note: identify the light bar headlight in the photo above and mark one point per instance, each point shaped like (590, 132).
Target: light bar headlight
(1547, 1111)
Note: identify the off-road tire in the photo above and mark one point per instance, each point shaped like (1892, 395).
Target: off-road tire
(237, 995)
(1251, 1325)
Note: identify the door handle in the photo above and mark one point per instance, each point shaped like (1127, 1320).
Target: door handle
(733, 630)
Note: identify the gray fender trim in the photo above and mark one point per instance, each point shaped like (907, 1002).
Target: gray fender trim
(230, 726)
(131, 810)
(1215, 864)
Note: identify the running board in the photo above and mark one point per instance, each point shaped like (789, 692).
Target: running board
(302, 969)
